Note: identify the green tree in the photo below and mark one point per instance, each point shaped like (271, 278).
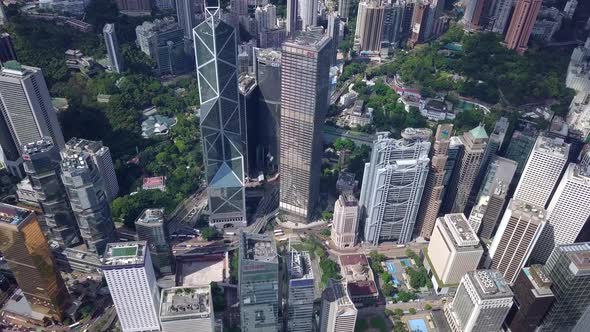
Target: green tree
(385, 277)
(325, 232)
(427, 307)
(209, 233)
(388, 289)
(412, 311)
(344, 144)
(398, 312)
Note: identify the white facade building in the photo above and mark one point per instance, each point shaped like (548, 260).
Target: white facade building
(129, 273)
(308, 11)
(542, 171)
(187, 309)
(338, 312)
(454, 250)
(567, 212)
(481, 303)
(345, 222)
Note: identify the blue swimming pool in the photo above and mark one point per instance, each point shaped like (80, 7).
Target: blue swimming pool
(406, 262)
(390, 267)
(417, 325)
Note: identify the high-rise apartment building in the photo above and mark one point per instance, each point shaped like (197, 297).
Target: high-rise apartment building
(301, 292)
(185, 309)
(393, 27)
(519, 148)
(101, 157)
(569, 269)
(338, 312)
(258, 283)
(163, 41)
(369, 26)
(454, 250)
(221, 123)
(481, 302)
(567, 213)
(499, 15)
(532, 299)
(334, 33)
(85, 188)
(292, 16)
(451, 178)
(7, 51)
(308, 11)
(432, 196)
(190, 14)
(474, 142)
(393, 183)
(345, 223)
(266, 17)
(419, 22)
(151, 227)
(542, 171)
(521, 25)
(344, 8)
(26, 105)
(517, 235)
(491, 198)
(135, 7)
(114, 55)
(26, 251)
(42, 165)
(305, 66)
(474, 10)
(130, 276)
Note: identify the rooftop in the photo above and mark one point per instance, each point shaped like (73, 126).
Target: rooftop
(187, 302)
(359, 276)
(490, 284)
(309, 40)
(300, 265)
(109, 28)
(539, 279)
(460, 229)
(74, 161)
(81, 144)
(151, 216)
(42, 145)
(13, 215)
(348, 199)
(259, 247)
(580, 262)
(125, 253)
(532, 213)
(340, 294)
(479, 132)
(412, 134)
(268, 55)
(246, 84)
(555, 146)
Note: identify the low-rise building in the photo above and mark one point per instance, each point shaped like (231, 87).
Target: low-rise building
(156, 182)
(360, 280)
(157, 125)
(436, 110)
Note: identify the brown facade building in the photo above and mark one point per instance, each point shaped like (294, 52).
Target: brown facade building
(432, 196)
(419, 22)
(27, 253)
(521, 25)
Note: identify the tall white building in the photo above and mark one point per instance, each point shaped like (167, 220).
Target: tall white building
(542, 171)
(185, 309)
(345, 222)
(454, 250)
(301, 292)
(393, 183)
(308, 11)
(517, 234)
(338, 312)
(481, 303)
(26, 107)
(114, 55)
(129, 273)
(567, 212)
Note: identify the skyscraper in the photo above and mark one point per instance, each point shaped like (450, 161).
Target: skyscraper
(454, 250)
(432, 196)
(393, 182)
(475, 142)
(101, 157)
(305, 66)
(266, 17)
(369, 26)
(135, 7)
(345, 223)
(568, 211)
(301, 292)
(26, 105)
(344, 8)
(334, 33)
(517, 235)
(419, 22)
(221, 125)
(451, 178)
(393, 19)
(499, 13)
(86, 192)
(519, 148)
(7, 51)
(258, 283)
(491, 198)
(521, 25)
(185, 309)
(129, 273)
(151, 227)
(9, 153)
(110, 39)
(42, 165)
(481, 302)
(532, 299)
(308, 11)
(542, 171)
(3, 18)
(188, 13)
(473, 14)
(25, 250)
(292, 16)
(338, 312)
(569, 269)
(163, 41)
